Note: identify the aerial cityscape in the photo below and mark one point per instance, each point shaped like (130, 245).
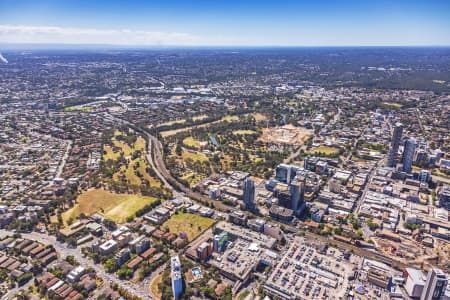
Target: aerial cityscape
(177, 164)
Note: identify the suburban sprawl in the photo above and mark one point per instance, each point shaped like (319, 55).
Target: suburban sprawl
(225, 174)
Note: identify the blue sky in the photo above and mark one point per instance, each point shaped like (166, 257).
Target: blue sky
(227, 23)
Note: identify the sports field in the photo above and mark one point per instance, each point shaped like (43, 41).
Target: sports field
(117, 207)
(243, 132)
(325, 150)
(168, 133)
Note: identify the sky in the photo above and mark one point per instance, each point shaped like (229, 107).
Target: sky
(227, 22)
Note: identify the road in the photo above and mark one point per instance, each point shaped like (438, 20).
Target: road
(293, 155)
(148, 281)
(84, 261)
(14, 291)
(64, 159)
(440, 178)
(366, 187)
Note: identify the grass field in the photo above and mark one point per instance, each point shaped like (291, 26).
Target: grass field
(229, 118)
(170, 123)
(154, 286)
(110, 154)
(326, 150)
(194, 156)
(142, 168)
(131, 176)
(191, 142)
(192, 178)
(175, 131)
(124, 147)
(116, 207)
(78, 108)
(128, 170)
(393, 105)
(192, 225)
(243, 132)
(199, 117)
(259, 117)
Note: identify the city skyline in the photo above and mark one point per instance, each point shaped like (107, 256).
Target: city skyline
(231, 23)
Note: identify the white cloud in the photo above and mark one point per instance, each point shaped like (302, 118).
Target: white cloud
(3, 59)
(63, 35)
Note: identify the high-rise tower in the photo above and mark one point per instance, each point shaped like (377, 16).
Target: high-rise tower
(408, 154)
(435, 285)
(249, 194)
(395, 143)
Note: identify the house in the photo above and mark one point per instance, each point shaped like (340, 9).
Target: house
(15, 274)
(88, 283)
(148, 253)
(49, 258)
(135, 263)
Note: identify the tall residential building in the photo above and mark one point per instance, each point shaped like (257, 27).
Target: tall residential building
(285, 173)
(296, 189)
(220, 241)
(435, 285)
(249, 194)
(177, 279)
(408, 154)
(424, 176)
(395, 143)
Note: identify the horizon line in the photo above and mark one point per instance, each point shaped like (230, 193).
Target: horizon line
(42, 46)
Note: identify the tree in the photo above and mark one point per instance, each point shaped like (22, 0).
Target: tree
(372, 226)
(110, 265)
(71, 260)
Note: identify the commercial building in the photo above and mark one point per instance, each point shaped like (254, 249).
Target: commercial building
(238, 217)
(415, 282)
(435, 285)
(395, 143)
(282, 214)
(425, 176)
(315, 164)
(108, 247)
(296, 189)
